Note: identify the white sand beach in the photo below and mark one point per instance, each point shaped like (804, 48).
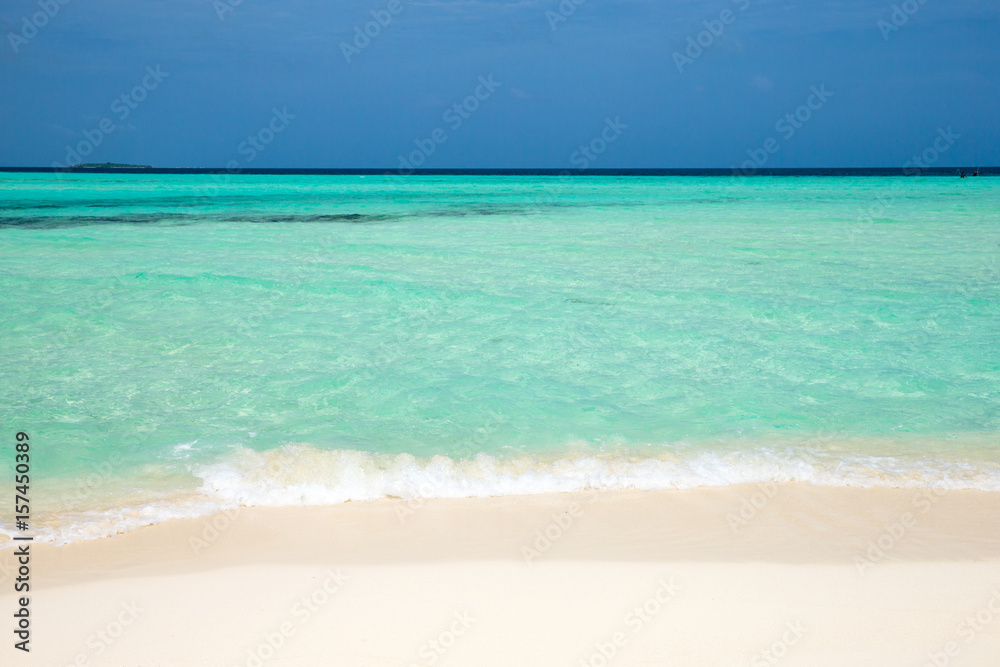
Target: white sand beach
(746, 575)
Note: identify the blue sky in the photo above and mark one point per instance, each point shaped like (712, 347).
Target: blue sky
(273, 75)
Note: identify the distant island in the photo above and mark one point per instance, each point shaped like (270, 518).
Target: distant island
(112, 165)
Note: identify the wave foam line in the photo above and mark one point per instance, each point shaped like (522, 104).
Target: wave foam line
(299, 475)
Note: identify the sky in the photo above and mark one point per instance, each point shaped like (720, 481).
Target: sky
(537, 84)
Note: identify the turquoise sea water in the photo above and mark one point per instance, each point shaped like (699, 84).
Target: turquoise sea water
(178, 343)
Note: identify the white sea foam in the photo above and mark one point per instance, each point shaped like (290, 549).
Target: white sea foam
(299, 475)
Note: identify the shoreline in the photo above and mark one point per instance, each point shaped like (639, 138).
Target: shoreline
(296, 475)
(884, 576)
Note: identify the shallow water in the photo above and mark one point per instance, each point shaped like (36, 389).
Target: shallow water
(178, 343)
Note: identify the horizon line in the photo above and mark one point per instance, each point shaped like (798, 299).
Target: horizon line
(519, 171)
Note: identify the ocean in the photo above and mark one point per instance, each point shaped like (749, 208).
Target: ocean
(177, 344)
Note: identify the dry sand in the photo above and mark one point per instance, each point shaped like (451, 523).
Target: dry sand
(748, 575)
